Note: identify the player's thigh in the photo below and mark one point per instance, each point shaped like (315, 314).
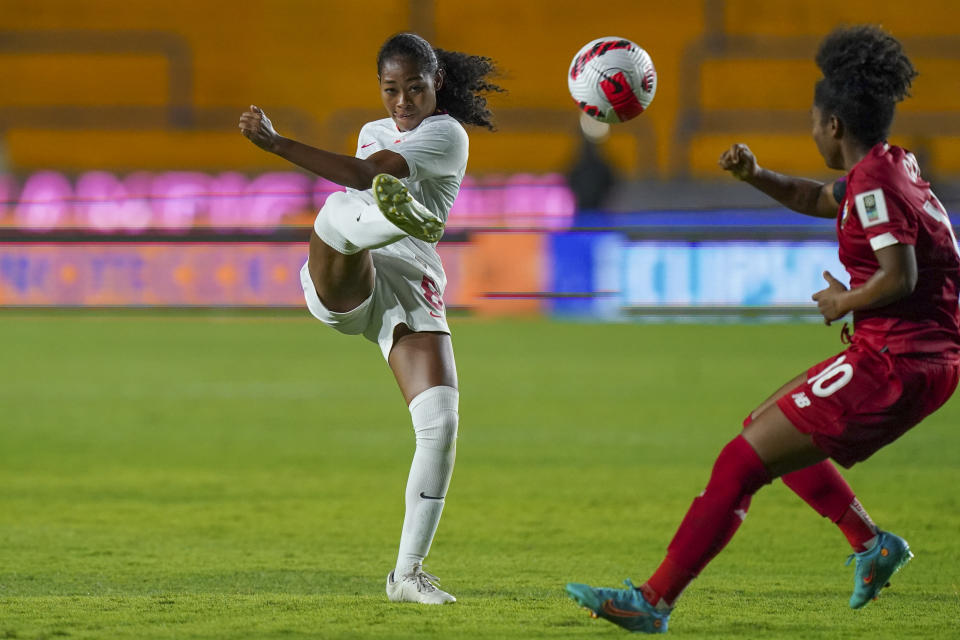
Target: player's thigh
(421, 360)
(342, 282)
(779, 393)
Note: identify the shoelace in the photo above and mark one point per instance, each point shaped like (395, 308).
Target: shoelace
(861, 554)
(425, 581)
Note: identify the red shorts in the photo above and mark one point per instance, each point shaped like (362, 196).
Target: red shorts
(861, 400)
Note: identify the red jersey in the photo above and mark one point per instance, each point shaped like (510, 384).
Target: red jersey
(886, 203)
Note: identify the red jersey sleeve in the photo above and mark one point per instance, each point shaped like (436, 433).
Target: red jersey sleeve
(885, 218)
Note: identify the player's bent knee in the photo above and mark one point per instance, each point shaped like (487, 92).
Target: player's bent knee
(436, 417)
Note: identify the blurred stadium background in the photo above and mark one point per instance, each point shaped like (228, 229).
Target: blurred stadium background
(231, 474)
(124, 180)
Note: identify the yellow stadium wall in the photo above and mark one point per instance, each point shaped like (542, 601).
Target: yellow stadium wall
(311, 63)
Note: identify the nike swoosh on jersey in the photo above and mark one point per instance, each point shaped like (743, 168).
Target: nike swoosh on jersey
(364, 146)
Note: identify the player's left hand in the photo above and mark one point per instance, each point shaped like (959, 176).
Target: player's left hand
(829, 301)
(256, 126)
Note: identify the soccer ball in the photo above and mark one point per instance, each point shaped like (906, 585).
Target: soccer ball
(612, 79)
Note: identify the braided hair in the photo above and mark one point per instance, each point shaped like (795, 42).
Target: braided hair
(865, 74)
(462, 94)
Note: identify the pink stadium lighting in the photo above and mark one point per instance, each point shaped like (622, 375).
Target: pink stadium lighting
(176, 201)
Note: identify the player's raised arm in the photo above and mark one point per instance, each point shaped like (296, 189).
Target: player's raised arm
(809, 197)
(342, 169)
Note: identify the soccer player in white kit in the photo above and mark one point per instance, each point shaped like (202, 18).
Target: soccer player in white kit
(373, 266)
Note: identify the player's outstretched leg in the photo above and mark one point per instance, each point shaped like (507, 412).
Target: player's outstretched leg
(400, 208)
(708, 526)
(623, 607)
(876, 566)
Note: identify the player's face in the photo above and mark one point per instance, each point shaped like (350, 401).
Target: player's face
(824, 135)
(409, 94)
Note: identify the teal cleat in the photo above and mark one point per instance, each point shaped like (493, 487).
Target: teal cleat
(875, 567)
(623, 607)
(398, 206)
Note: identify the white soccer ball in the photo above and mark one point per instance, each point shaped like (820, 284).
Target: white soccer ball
(612, 79)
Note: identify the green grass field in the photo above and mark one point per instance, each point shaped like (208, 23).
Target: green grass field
(203, 475)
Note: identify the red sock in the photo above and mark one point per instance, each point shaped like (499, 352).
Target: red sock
(667, 583)
(857, 526)
(710, 522)
(823, 488)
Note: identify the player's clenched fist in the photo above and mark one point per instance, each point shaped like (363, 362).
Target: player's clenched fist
(256, 126)
(739, 161)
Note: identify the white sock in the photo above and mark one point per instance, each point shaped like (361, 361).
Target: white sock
(351, 222)
(435, 419)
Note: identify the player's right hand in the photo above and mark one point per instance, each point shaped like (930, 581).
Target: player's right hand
(256, 126)
(739, 161)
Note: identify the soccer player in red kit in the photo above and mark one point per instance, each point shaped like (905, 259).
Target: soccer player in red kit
(903, 361)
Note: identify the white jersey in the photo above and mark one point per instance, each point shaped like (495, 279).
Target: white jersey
(436, 154)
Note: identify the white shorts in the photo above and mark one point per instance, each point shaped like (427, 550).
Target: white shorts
(407, 289)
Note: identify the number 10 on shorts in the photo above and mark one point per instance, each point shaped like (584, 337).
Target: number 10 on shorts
(834, 377)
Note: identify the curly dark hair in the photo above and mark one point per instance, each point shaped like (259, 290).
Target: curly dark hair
(465, 76)
(865, 74)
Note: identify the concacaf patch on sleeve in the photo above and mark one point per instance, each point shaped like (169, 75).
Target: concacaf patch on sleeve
(872, 208)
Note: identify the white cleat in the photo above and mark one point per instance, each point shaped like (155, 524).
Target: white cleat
(418, 586)
(398, 206)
